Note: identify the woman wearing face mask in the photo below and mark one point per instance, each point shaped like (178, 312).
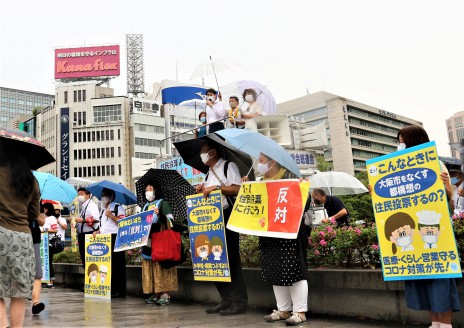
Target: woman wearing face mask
(51, 225)
(157, 281)
(202, 130)
(283, 261)
(254, 109)
(457, 181)
(111, 213)
(438, 296)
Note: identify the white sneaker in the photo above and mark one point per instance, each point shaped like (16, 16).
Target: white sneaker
(276, 316)
(295, 320)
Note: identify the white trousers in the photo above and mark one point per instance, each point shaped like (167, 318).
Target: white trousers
(296, 295)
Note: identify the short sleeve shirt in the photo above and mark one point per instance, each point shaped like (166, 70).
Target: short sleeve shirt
(333, 205)
(233, 177)
(108, 225)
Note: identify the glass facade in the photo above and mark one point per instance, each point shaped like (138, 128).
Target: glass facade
(15, 102)
(108, 113)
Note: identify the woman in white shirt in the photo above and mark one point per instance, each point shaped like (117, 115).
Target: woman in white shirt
(110, 214)
(254, 109)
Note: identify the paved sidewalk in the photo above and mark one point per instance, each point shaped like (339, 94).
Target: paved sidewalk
(67, 308)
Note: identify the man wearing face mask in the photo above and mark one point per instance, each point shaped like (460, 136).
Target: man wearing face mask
(235, 115)
(215, 112)
(254, 109)
(87, 222)
(225, 176)
(335, 208)
(457, 180)
(110, 214)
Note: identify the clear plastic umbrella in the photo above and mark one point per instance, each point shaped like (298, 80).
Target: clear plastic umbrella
(337, 183)
(213, 66)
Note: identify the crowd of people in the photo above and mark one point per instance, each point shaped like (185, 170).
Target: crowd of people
(283, 261)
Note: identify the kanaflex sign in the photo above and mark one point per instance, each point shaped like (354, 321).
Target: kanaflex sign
(75, 63)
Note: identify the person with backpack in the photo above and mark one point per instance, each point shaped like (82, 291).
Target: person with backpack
(110, 214)
(224, 176)
(157, 281)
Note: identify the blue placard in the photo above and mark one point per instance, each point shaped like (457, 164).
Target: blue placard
(207, 238)
(133, 231)
(192, 175)
(45, 256)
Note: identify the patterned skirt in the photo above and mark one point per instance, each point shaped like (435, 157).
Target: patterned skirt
(17, 264)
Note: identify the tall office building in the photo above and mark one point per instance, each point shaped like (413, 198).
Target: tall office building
(356, 131)
(14, 102)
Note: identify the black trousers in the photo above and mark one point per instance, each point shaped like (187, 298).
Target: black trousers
(217, 126)
(118, 270)
(233, 292)
(81, 242)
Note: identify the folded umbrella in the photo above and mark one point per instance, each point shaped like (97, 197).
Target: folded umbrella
(54, 188)
(123, 195)
(254, 143)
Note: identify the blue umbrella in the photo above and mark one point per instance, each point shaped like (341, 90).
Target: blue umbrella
(123, 195)
(254, 143)
(54, 188)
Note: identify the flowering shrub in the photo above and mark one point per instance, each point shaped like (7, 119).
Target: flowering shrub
(134, 256)
(348, 246)
(67, 256)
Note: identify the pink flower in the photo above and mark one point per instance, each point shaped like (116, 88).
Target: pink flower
(357, 231)
(332, 220)
(322, 233)
(323, 242)
(316, 252)
(329, 229)
(375, 247)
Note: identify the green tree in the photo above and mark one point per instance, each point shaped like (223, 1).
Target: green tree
(360, 206)
(323, 165)
(37, 110)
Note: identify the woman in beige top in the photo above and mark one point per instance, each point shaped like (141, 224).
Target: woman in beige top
(254, 109)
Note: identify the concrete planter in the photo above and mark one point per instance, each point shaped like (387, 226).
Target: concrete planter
(350, 293)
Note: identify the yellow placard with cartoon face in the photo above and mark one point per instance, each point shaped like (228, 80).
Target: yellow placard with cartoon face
(98, 266)
(411, 210)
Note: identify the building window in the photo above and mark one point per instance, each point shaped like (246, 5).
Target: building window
(112, 135)
(79, 118)
(84, 96)
(84, 137)
(98, 171)
(80, 172)
(98, 152)
(84, 154)
(119, 151)
(112, 152)
(103, 135)
(103, 152)
(75, 136)
(107, 152)
(119, 134)
(66, 97)
(103, 170)
(80, 157)
(112, 169)
(144, 155)
(75, 156)
(94, 171)
(75, 98)
(107, 135)
(108, 113)
(98, 135)
(93, 135)
(79, 95)
(88, 153)
(84, 118)
(93, 153)
(120, 169)
(79, 137)
(75, 172)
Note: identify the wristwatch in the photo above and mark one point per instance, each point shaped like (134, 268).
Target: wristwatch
(218, 187)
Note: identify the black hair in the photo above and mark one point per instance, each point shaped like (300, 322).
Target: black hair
(13, 156)
(413, 135)
(157, 187)
(234, 97)
(49, 209)
(201, 113)
(214, 92)
(252, 92)
(319, 191)
(84, 190)
(214, 145)
(110, 193)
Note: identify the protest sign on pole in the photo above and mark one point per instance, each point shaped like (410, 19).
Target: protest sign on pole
(74, 215)
(411, 210)
(45, 257)
(270, 208)
(133, 231)
(97, 278)
(207, 238)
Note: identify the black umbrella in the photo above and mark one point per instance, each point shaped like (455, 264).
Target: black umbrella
(173, 186)
(36, 153)
(189, 150)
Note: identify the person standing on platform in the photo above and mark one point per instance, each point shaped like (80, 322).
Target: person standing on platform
(215, 113)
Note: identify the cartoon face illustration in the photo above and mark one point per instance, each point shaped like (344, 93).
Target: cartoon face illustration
(103, 273)
(202, 246)
(399, 229)
(429, 227)
(217, 247)
(92, 272)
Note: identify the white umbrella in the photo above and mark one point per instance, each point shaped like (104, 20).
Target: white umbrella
(193, 104)
(212, 66)
(337, 183)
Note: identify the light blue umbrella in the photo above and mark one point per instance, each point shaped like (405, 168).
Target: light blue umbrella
(254, 143)
(123, 195)
(54, 188)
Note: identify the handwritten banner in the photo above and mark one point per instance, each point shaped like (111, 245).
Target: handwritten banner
(411, 210)
(98, 266)
(74, 215)
(207, 238)
(269, 208)
(133, 231)
(45, 257)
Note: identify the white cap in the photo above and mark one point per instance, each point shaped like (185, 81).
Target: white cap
(428, 217)
(103, 268)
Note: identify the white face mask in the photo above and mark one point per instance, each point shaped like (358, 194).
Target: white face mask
(262, 168)
(81, 199)
(105, 200)
(249, 98)
(210, 98)
(401, 146)
(217, 254)
(102, 279)
(93, 279)
(204, 254)
(205, 157)
(404, 241)
(149, 195)
(430, 239)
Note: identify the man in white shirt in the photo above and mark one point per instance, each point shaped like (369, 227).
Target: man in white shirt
(110, 214)
(215, 113)
(225, 176)
(88, 221)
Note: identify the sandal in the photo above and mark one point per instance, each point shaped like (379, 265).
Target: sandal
(37, 307)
